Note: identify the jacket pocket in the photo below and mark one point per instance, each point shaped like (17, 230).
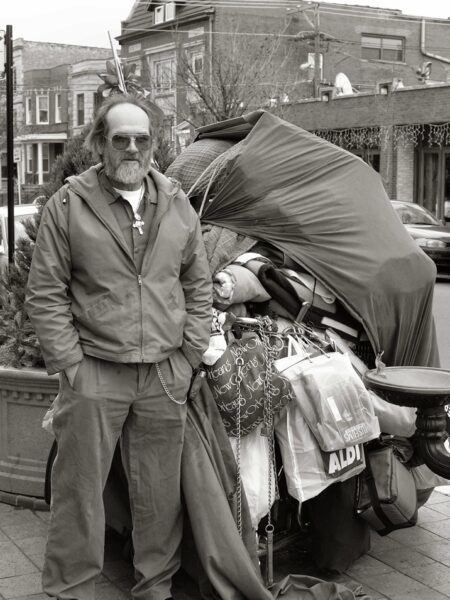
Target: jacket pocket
(96, 309)
(175, 374)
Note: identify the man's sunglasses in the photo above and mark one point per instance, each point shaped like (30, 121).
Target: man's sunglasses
(121, 142)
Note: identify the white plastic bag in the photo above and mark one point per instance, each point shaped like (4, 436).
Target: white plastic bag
(394, 419)
(308, 470)
(254, 468)
(332, 399)
(47, 421)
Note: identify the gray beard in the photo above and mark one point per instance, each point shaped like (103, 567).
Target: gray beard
(127, 172)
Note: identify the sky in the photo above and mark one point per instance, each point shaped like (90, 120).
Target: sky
(87, 22)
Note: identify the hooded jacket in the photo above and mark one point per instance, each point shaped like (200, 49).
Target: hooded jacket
(86, 296)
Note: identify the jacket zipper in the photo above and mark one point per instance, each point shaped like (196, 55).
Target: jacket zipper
(139, 277)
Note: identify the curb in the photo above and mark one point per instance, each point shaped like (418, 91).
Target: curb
(24, 501)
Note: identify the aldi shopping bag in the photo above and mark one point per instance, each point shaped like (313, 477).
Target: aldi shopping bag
(308, 469)
(332, 399)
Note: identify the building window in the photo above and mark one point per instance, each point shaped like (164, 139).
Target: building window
(168, 124)
(29, 158)
(45, 158)
(377, 47)
(165, 75)
(58, 108)
(80, 109)
(369, 155)
(197, 64)
(159, 15)
(28, 110)
(170, 11)
(42, 110)
(165, 12)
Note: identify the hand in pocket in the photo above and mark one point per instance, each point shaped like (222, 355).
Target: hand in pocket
(71, 373)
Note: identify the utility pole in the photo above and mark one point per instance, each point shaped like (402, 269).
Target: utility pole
(316, 32)
(10, 140)
(317, 54)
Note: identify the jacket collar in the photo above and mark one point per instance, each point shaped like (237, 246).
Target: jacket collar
(89, 186)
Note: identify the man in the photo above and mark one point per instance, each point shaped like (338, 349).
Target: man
(119, 294)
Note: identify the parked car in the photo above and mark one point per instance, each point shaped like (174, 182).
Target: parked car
(21, 213)
(429, 233)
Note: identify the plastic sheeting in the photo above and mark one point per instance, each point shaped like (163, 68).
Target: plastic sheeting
(327, 210)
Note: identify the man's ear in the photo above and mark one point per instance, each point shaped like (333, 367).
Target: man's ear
(100, 148)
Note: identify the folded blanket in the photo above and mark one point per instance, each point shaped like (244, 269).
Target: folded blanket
(237, 284)
(284, 295)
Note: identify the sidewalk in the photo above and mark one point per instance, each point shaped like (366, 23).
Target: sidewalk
(409, 564)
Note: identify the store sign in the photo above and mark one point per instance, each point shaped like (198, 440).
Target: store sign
(339, 462)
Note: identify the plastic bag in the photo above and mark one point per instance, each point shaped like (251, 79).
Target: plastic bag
(254, 469)
(308, 470)
(394, 419)
(333, 400)
(47, 421)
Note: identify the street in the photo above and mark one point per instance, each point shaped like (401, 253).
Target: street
(441, 310)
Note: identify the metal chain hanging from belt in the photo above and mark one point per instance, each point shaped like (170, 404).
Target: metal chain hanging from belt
(264, 329)
(239, 402)
(270, 353)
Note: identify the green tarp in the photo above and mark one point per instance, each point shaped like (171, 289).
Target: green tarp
(328, 210)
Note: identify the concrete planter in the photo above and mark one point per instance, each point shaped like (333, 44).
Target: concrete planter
(25, 396)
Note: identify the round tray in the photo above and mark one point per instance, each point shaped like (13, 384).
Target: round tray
(422, 387)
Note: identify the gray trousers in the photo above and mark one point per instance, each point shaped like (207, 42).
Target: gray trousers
(108, 400)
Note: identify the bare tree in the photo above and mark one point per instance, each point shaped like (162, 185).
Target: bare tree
(242, 73)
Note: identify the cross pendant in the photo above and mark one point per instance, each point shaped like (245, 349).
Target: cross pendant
(138, 224)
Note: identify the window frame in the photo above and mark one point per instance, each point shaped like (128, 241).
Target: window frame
(28, 110)
(169, 11)
(45, 157)
(164, 12)
(383, 38)
(38, 109)
(159, 14)
(58, 106)
(168, 127)
(195, 56)
(160, 88)
(80, 110)
(29, 158)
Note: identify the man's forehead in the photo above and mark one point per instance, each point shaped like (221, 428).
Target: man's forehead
(127, 118)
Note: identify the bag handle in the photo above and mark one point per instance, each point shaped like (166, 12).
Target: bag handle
(369, 479)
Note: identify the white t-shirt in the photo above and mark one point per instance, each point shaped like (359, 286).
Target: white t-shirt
(132, 196)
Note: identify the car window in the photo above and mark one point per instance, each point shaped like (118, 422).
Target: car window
(19, 228)
(415, 215)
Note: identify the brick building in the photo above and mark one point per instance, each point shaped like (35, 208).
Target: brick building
(54, 96)
(374, 46)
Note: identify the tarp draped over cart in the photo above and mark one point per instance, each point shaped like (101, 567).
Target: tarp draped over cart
(327, 210)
